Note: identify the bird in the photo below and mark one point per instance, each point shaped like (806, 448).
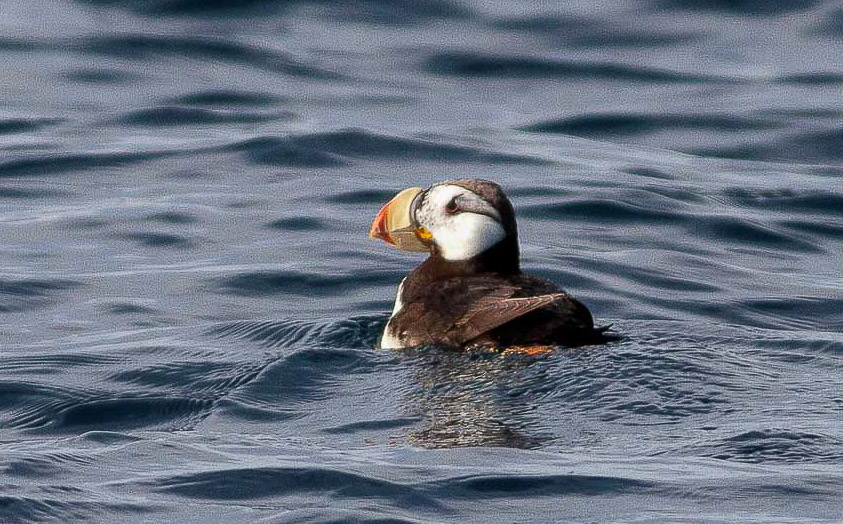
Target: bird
(470, 291)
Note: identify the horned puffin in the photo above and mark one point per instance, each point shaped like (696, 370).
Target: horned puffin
(470, 291)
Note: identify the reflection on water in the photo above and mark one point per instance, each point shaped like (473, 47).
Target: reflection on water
(467, 399)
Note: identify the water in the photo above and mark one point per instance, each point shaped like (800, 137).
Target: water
(189, 302)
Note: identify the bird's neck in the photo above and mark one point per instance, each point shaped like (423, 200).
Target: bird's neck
(502, 258)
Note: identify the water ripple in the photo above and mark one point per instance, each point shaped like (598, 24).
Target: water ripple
(620, 125)
(463, 64)
(338, 148)
(743, 7)
(391, 12)
(777, 445)
(127, 413)
(264, 283)
(53, 164)
(187, 116)
(149, 47)
(23, 125)
(229, 97)
(252, 483)
(22, 294)
(588, 32)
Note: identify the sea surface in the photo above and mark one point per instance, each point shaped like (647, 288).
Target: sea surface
(190, 303)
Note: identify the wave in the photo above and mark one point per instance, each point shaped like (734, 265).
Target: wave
(392, 12)
(797, 312)
(29, 193)
(59, 163)
(630, 124)
(832, 25)
(599, 210)
(47, 464)
(372, 425)
(825, 230)
(264, 283)
(173, 217)
(289, 387)
(481, 65)
(745, 233)
(266, 333)
(149, 47)
(821, 145)
(187, 116)
(339, 515)
(192, 378)
(361, 196)
(810, 79)
(128, 308)
(297, 224)
(63, 507)
(229, 97)
(100, 75)
(357, 143)
(29, 406)
(285, 152)
(22, 44)
(25, 125)
(340, 148)
(776, 445)
(825, 203)
(359, 332)
(541, 485)
(740, 7)
(263, 482)
(256, 483)
(125, 413)
(157, 240)
(55, 363)
(592, 32)
(24, 294)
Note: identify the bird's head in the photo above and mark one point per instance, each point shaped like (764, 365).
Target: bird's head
(457, 220)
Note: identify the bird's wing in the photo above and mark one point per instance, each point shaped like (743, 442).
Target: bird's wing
(489, 313)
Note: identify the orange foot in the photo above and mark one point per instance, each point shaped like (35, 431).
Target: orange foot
(530, 350)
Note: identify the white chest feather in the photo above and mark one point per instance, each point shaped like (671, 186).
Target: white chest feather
(390, 339)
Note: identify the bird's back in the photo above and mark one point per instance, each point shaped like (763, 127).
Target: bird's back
(490, 309)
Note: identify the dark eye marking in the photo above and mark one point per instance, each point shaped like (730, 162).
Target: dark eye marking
(418, 203)
(452, 207)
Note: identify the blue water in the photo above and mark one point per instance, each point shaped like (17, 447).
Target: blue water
(189, 301)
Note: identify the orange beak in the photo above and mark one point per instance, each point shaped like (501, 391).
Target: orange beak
(379, 226)
(394, 223)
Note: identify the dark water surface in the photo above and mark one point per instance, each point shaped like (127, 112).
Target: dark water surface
(189, 302)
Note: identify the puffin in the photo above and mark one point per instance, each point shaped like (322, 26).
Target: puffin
(470, 291)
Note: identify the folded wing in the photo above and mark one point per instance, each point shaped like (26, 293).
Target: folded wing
(487, 314)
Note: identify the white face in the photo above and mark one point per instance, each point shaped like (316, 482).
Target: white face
(462, 233)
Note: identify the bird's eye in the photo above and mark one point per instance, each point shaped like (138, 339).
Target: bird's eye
(452, 206)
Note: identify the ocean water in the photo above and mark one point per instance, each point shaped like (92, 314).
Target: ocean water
(189, 302)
